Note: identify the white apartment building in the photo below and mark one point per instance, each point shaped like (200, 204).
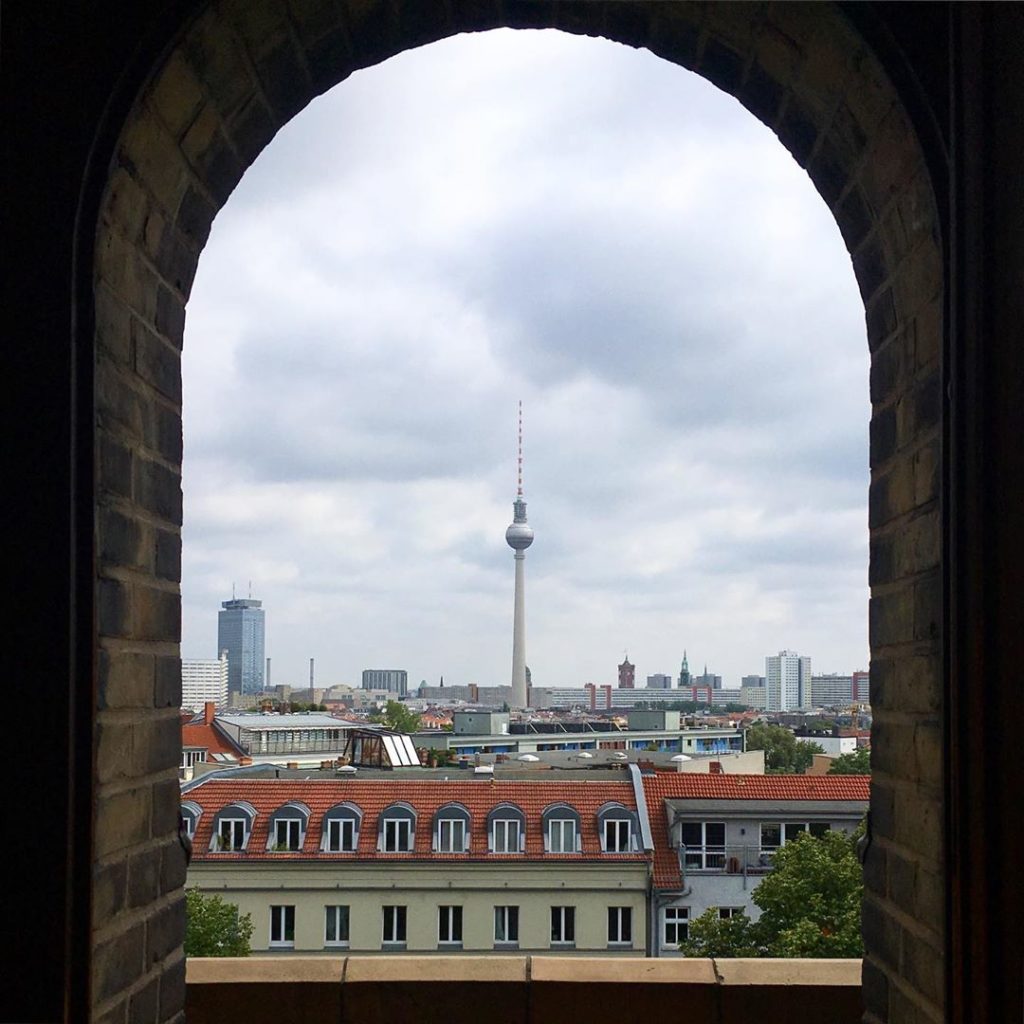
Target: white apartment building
(204, 680)
(787, 681)
(831, 691)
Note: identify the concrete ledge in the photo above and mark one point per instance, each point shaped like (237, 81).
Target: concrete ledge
(519, 990)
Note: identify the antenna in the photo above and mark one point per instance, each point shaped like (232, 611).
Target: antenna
(232, 591)
(519, 459)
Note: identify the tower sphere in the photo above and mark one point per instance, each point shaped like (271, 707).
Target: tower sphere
(519, 536)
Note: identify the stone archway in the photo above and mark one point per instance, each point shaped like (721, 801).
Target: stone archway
(230, 81)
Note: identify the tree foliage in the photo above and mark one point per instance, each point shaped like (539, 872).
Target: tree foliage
(784, 754)
(810, 906)
(214, 927)
(857, 763)
(398, 717)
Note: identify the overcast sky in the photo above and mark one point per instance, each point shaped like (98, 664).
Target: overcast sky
(535, 216)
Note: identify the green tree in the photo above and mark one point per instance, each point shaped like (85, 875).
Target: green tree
(784, 754)
(857, 763)
(214, 927)
(810, 906)
(713, 936)
(398, 717)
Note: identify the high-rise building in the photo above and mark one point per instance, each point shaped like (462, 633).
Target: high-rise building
(519, 536)
(831, 690)
(787, 681)
(394, 680)
(862, 687)
(659, 681)
(627, 674)
(241, 625)
(204, 681)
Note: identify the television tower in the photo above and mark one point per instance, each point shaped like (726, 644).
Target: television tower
(519, 536)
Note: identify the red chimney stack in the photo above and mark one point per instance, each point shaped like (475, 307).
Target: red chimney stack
(209, 710)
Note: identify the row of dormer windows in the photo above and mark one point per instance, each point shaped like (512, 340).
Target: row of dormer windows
(341, 827)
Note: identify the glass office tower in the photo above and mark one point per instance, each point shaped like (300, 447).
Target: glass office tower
(240, 629)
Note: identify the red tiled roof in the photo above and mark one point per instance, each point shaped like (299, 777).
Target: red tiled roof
(198, 734)
(426, 796)
(697, 786)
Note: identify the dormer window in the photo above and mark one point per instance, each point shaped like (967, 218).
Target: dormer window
(341, 825)
(397, 829)
(506, 829)
(232, 828)
(451, 829)
(617, 828)
(287, 829)
(561, 829)
(190, 814)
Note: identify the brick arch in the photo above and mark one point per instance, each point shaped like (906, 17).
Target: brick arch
(235, 75)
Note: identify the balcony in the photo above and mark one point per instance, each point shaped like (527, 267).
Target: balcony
(725, 860)
(501, 989)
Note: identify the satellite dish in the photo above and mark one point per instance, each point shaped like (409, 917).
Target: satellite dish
(621, 755)
(682, 757)
(586, 753)
(348, 769)
(483, 769)
(527, 757)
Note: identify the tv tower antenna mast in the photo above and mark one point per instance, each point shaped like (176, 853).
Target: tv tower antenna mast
(519, 536)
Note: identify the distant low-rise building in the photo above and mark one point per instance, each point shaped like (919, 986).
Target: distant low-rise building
(393, 680)
(754, 696)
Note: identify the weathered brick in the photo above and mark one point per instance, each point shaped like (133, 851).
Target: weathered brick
(167, 687)
(157, 745)
(930, 758)
(912, 683)
(883, 805)
(158, 489)
(113, 751)
(156, 362)
(176, 95)
(892, 743)
(144, 1005)
(871, 268)
(143, 877)
(166, 804)
(125, 679)
(927, 466)
(114, 608)
(891, 617)
(918, 821)
(881, 318)
(883, 435)
(157, 614)
(902, 882)
(172, 865)
(112, 319)
(168, 555)
(109, 887)
(928, 607)
(167, 436)
(172, 991)
(117, 963)
(881, 933)
(921, 966)
(121, 540)
(169, 320)
(874, 984)
(854, 218)
(165, 930)
(122, 820)
(115, 467)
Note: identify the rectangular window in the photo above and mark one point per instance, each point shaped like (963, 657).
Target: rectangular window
(341, 835)
(727, 913)
(775, 833)
(506, 926)
(394, 924)
(397, 835)
(617, 835)
(231, 834)
(704, 845)
(563, 926)
(562, 835)
(335, 926)
(675, 926)
(451, 835)
(620, 926)
(449, 925)
(505, 836)
(287, 834)
(282, 926)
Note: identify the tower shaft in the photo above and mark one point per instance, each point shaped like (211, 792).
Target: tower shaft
(519, 695)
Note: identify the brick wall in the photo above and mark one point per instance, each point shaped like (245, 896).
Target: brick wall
(238, 73)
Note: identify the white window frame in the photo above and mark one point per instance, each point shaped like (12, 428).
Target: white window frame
(190, 825)
(397, 916)
(449, 925)
(620, 919)
(559, 826)
(728, 913)
(398, 826)
(506, 828)
(708, 856)
(233, 822)
(292, 828)
(190, 758)
(506, 919)
(456, 839)
(677, 919)
(279, 922)
(334, 911)
(563, 920)
(616, 826)
(340, 825)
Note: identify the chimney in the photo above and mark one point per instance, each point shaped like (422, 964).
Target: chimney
(209, 710)
(715, 768)
(311, 678)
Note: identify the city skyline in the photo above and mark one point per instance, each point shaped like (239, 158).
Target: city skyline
(691, 352)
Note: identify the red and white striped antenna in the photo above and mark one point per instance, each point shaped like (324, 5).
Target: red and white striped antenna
(519, 491)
